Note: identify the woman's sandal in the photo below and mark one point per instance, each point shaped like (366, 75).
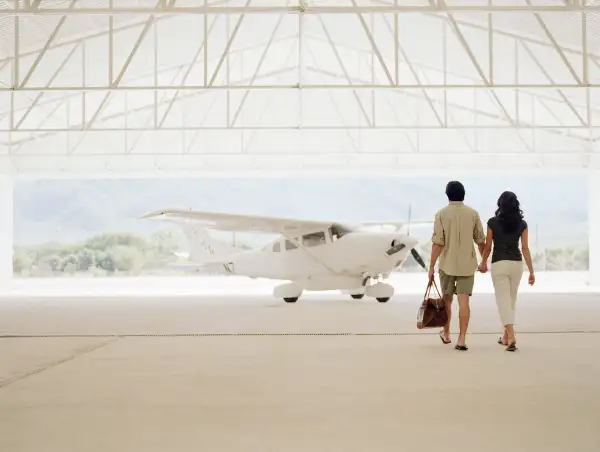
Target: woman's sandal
(461, 347)
(443, 339)
(501, 341)
(512, 347)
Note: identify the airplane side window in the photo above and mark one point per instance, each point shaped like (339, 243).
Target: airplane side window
(315, 239)
(289, 245)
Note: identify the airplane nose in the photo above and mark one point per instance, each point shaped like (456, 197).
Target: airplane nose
(410, 242)
(400, 243)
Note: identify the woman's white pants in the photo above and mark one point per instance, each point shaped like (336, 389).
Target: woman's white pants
(506, 276)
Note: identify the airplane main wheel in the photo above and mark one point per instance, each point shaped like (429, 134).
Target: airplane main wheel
(290, 299)
(383, 299)
(357, 296)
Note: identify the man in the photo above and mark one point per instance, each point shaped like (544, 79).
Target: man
(456, 227)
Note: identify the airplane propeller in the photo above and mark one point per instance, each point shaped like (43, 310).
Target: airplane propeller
(414, 252)
(418, 258)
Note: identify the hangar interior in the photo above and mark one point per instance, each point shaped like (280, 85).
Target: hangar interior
(127, 89)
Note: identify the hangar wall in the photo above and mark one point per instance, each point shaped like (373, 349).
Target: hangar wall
(594, 226)
(6, 228)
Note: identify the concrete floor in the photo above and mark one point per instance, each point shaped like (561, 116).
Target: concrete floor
(133, 374)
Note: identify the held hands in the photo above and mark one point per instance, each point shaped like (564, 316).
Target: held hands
(483, 267)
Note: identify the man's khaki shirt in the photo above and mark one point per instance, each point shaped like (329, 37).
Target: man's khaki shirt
(455, 228)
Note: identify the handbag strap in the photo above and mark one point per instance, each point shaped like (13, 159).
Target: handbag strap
(428, 290)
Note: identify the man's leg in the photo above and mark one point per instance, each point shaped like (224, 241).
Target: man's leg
(464, 289)
(448, 288)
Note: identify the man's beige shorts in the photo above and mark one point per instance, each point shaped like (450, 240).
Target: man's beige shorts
(456, 284)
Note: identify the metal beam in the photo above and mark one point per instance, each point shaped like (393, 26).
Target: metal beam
(374, 45)
(552, 39)
(295, 86)
(463, 23)
(314, 127)
(343, 68)
(41, 55)
(258, 66)
(41, 94)
(136, 46)
(227, 48)
(25, 10)
(411, 66)
(551, 80)
(202, 49)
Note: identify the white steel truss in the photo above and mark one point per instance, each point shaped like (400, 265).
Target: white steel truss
(168, 79)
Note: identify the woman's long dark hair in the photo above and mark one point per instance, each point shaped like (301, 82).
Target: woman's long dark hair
(509, 212)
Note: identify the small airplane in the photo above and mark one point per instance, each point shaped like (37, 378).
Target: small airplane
(311, 255)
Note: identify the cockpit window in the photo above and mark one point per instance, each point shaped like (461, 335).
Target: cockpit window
(338, 231)
(314, 239)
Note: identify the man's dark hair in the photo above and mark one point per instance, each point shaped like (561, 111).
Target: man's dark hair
(455, 191)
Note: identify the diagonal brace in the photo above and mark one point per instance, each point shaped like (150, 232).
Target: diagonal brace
(228, 46)
(46, 47)
(373, 45)
(136, 46)
(550, 36)
(188, 72)
(260, 63)
(344, 70)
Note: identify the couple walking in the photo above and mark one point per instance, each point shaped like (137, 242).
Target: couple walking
(456, 227)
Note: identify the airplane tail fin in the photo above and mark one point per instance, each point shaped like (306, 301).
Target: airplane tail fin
(203, 247)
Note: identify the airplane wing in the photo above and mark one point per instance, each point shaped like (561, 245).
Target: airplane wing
(239, 222)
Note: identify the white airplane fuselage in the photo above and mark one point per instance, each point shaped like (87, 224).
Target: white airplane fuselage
(335, 264)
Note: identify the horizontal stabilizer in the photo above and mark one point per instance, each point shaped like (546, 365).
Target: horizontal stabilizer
(223, 268)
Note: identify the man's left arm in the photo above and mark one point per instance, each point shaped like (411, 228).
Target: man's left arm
(439, 240)
(479, 236)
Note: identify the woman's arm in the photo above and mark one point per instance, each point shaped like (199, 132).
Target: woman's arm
(525, 249)
(488, 245)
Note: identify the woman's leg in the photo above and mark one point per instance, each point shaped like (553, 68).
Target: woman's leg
(501, 281)
(516, 274)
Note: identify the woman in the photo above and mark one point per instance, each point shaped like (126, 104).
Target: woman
(504, 230)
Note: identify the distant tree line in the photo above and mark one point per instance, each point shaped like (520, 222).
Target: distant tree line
(130, 255)
(101, 255)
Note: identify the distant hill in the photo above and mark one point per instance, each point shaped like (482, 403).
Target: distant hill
(73, 210)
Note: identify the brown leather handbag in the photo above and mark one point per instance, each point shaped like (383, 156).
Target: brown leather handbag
(432, 312)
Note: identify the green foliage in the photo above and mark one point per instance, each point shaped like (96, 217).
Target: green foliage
(106, 241)
(21, 261)
(104, 253)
